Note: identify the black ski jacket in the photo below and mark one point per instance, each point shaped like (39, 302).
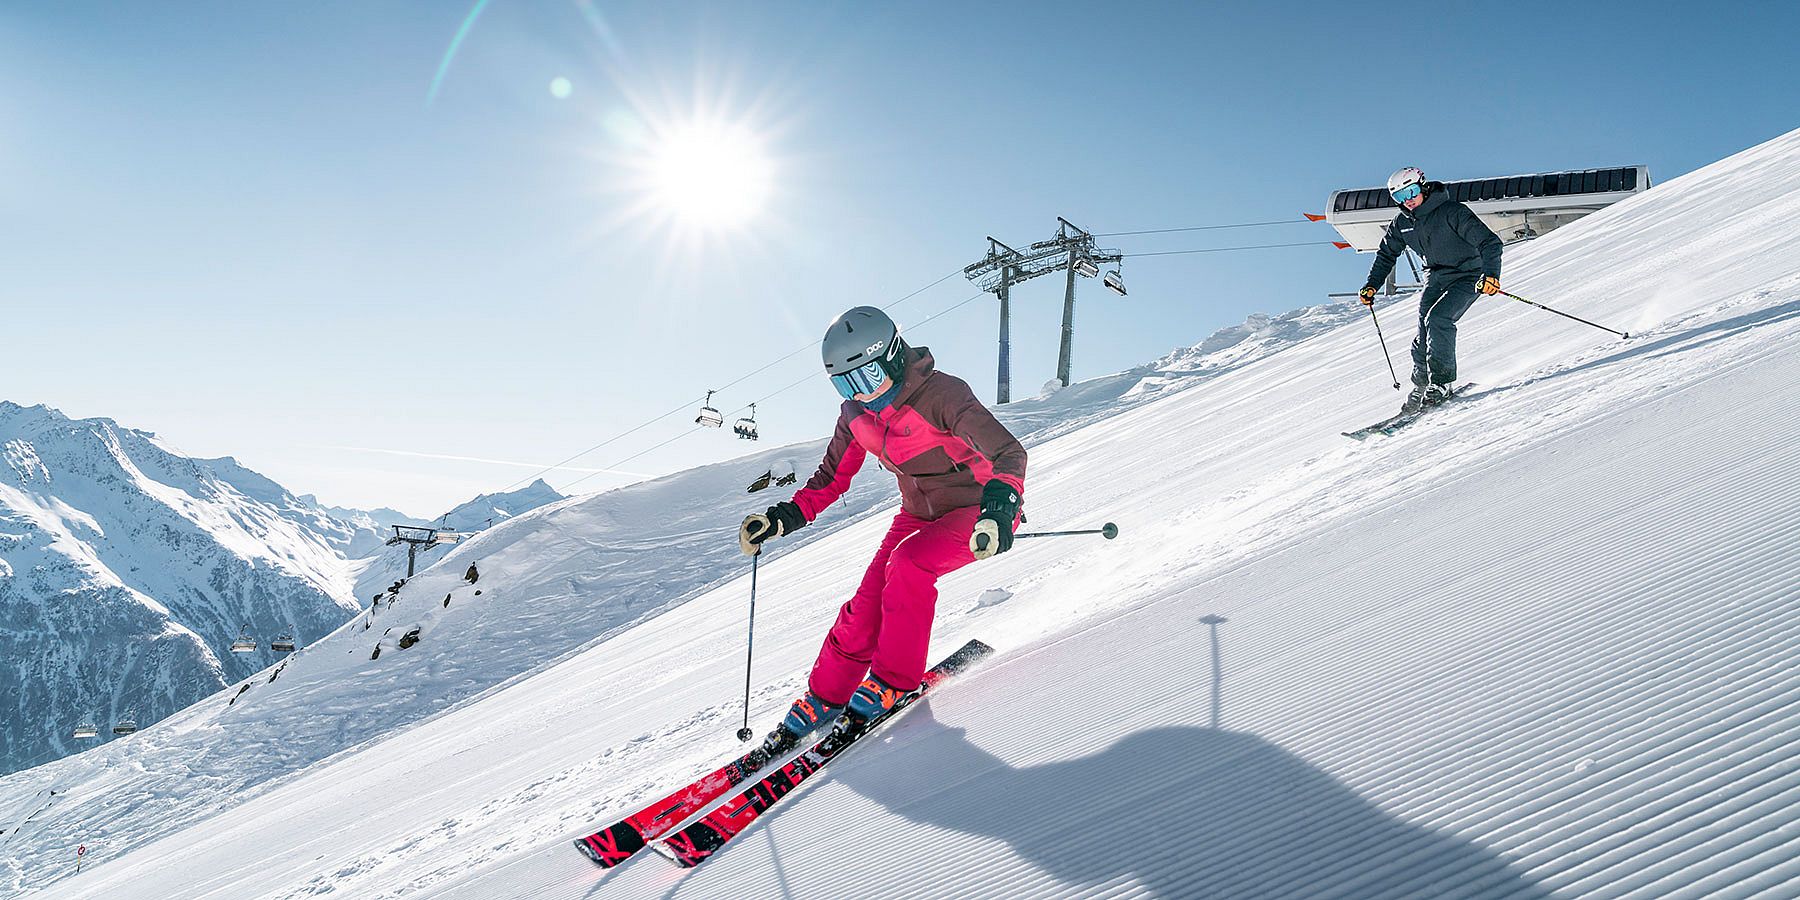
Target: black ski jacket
(1452, 241)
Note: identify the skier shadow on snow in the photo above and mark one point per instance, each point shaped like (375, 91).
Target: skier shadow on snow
(1186, 812)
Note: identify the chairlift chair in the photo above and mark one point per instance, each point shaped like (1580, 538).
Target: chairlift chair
(284, 643)
(746, 426)
(1085, 267)
(1114, 282)
(708, 416)
(86, 730)
(127, 723)
(244, 643)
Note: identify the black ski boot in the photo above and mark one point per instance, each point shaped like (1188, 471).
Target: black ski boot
(1438, 393)
(1416, 400)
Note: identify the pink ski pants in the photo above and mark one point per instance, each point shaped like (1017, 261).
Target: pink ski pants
(885, 628)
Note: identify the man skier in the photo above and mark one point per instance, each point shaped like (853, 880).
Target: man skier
(961, 474)
(1462, 257)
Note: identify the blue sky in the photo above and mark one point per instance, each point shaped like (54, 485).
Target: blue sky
(244, 227)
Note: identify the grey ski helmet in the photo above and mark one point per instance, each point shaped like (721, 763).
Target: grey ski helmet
(860, 338)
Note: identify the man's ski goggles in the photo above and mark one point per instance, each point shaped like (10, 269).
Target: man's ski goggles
(1406, 193)
(865, 379)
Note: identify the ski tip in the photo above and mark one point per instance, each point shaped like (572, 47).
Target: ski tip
(975, 649)
(588, 851)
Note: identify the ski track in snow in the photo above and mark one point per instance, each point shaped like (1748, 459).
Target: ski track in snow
(1540, 643)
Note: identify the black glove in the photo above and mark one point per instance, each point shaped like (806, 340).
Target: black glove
(1367, 295)
(782, 518)
(994, 530)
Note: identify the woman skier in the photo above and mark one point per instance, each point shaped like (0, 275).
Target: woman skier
(961, 477)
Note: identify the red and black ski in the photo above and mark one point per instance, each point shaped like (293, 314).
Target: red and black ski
(693, 844)
(617, 842)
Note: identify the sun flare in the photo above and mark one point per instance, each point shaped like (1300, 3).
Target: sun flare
(707, 175)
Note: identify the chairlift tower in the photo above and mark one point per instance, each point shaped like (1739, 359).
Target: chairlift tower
(414, 536)
(1072, 250)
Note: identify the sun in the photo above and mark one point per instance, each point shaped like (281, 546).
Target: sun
(707, 175)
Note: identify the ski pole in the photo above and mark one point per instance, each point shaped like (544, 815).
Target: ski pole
(1108, 531)
(1559, 312)
(1384, 351)
(744, 733)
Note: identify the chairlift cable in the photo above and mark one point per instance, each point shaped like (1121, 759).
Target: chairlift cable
(810, 345)
(972, 298)
(685, 406)
(688, 404)
(1229, 249)
(810, 376)
(1201, 228)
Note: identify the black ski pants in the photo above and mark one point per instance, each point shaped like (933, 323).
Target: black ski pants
(1434, 349)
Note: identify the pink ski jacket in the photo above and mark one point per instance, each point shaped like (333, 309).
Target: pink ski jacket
(936, 438)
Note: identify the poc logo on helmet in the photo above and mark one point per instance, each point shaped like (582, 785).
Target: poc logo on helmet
(874, 348)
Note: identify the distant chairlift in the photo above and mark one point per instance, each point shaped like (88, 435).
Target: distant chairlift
(284, 643)
(1114, 282)
(86, 730)
(128, 723)
(244, 643)
(448, 537)
(746, 427)
(708, 416)
(1085, 267)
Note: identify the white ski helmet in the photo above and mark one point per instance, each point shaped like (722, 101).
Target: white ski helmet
(1405, 178)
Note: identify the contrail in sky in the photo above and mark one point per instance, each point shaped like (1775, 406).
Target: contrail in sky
(493, 462)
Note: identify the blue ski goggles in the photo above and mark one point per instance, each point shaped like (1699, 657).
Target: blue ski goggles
(1407, 193)
(864, 379)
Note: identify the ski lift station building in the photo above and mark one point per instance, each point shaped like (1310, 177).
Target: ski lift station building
(1517, 207)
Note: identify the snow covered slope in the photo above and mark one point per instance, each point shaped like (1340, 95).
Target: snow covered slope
(1541, 644)
(126, 569)
(388, 563)
(555, 581)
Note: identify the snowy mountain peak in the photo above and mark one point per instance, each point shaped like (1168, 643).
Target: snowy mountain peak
(129, 568)
(491, 509)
